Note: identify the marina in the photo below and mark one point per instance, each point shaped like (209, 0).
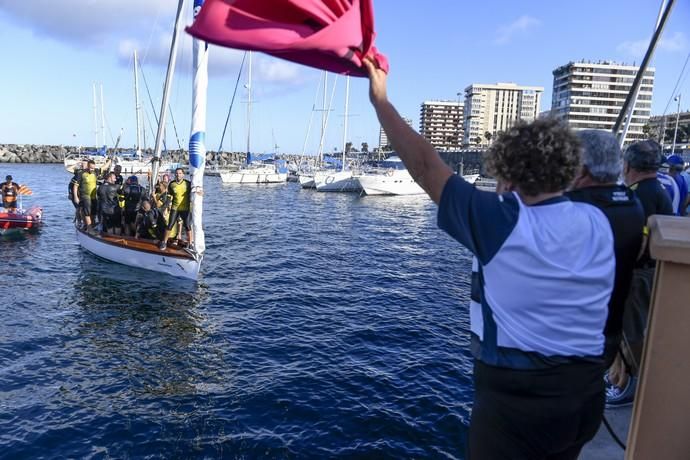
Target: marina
(361, 290)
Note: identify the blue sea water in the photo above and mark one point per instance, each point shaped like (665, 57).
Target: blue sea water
(323, 326)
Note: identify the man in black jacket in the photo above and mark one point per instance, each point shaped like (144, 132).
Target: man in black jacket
(641, 163)
(109, 206)
(596, 184)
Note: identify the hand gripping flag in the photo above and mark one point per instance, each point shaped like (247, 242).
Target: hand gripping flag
(333, 35)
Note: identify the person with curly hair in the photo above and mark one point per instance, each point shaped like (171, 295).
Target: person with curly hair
(543, 274)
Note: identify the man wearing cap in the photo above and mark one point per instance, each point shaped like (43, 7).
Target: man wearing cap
(641, 163)
(10, 190)
(675, 170)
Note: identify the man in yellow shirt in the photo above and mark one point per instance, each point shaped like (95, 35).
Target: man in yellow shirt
(180, 191)
(84, 192)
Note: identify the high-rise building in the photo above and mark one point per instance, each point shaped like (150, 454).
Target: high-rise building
(666, 124)
(495, 108)
(441, 124)
(383, 137)
(589, 95)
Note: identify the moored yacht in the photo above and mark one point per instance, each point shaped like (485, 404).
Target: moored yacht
(390, 177)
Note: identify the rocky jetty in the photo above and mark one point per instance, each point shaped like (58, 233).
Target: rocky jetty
(27, 153)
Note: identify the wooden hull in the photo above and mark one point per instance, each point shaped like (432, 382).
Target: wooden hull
(141, 254)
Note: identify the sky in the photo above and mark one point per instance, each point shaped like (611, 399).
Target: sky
(53, 52)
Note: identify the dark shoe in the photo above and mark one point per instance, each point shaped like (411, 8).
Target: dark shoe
(162, 246)
(621, 397)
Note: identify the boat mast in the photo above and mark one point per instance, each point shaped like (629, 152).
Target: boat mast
(137, 108)
(627, 106)
(95, 115)
(347, 100)
(166, 92)
(197, 147)
(249, 107)
(102, 117)
(323, 118)
(637, 91)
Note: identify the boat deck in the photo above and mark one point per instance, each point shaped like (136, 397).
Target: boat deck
(139, 245)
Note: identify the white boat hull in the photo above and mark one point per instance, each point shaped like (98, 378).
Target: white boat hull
(253, 176)
(341, 181)
(172, 265)
(306, 181)
(397, 183)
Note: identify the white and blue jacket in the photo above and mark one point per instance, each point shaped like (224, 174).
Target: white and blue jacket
(542, 275)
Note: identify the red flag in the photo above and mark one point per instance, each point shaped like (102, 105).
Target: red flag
(332, 35)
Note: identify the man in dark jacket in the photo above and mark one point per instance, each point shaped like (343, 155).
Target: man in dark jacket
(641, 162)
(133, 192)
(109, 205)
(596, 184)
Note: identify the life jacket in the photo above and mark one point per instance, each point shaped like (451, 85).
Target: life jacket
(9, 192)
(132, 196)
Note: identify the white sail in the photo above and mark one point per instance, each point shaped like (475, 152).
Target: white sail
(197, 147)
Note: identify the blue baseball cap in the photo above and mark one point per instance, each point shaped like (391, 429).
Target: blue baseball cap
(675, 160)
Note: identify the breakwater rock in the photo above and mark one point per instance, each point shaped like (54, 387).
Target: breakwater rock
(26, 153)
(29, 153)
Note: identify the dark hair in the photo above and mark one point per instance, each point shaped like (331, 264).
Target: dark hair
(179, 169)
(91, 162)
(644, 156)
(538, 157)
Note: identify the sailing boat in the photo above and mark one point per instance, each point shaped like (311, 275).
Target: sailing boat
(316, 173)
(343, 180)
(140, 253)
(98, 156)
(256, 170)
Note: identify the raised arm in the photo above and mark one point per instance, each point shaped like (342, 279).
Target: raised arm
(421, 159)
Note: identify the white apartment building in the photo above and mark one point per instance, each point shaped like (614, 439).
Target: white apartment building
(440, 122)
(383, 137)
(589, 95)
(495, 108)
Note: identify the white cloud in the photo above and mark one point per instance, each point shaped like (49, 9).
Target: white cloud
(674, 42)
(520, 26)
(120, 26)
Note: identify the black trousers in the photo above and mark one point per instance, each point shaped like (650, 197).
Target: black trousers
(535, 414)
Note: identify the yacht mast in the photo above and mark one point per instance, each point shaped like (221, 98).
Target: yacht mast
(249, 107)
(95, 115)
(166, 92)
(347, 101)
(137, 107)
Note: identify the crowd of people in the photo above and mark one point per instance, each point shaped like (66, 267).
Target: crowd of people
(110, 204)
(561, 275)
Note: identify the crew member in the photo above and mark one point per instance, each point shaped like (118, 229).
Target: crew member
(180, 191)
(110, 213)
(150, 223)
(84, 192)
(10, 191)
(118, 175)
(132, 193)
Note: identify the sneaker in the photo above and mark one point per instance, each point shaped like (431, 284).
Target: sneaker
(621, 397)
(162, 246)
